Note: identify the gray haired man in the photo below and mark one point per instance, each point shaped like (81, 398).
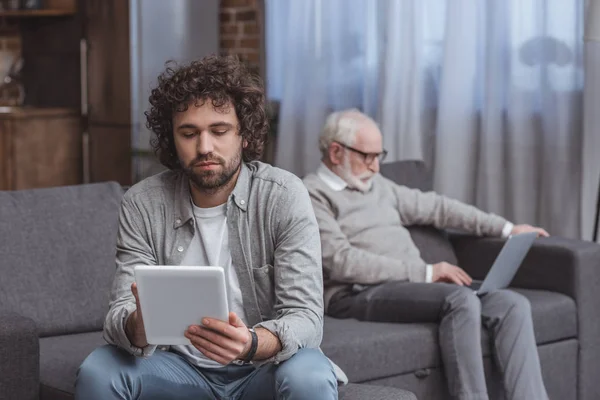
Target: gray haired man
(373, 271)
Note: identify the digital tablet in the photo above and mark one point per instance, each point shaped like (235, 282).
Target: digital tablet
(173, 298)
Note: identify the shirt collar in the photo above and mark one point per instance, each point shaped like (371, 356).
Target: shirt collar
(330, 178)
(184, 212)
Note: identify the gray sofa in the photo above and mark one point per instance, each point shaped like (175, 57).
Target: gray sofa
(57, 263)
(57, 249)
(560, 277)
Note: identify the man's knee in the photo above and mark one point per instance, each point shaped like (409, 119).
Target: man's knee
(100, 361)
(104, 369)
(463, 300)
(514, 305)
(308, 374)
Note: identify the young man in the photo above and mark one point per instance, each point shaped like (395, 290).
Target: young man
(216, 206)
(373, 270)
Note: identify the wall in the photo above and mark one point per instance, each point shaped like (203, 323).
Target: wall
(241, 31)
(242, 34)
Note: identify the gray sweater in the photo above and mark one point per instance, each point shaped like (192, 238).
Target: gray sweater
(363, 235)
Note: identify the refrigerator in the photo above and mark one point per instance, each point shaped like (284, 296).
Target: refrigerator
(125, 48)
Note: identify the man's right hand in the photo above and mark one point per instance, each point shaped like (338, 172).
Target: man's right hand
(445, 272)
(134, 326)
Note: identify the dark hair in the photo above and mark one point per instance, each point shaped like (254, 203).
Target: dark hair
(218, 79)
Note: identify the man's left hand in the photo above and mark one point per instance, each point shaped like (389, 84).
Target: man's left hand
(528, 228)
(221, 341)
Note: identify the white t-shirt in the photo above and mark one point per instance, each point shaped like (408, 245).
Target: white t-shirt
(210, 247)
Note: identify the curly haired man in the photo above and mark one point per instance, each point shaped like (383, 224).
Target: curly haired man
(217, 205)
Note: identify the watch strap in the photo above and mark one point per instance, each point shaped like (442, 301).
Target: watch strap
(253, 346)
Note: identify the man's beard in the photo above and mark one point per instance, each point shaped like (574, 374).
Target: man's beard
(210, 181)
(355, 181)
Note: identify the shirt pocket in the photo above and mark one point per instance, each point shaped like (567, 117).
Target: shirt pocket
(264, 285)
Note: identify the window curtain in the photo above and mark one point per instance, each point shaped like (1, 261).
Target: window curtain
(489, 94)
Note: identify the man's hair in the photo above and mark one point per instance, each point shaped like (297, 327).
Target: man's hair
(341, 126)
(215, 79)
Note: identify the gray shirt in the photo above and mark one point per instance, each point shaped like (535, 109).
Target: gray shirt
(273, 239)
(363, 236)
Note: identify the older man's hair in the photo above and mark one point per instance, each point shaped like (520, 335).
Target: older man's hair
(341, 126)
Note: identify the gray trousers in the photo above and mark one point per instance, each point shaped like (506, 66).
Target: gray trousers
(460, 314)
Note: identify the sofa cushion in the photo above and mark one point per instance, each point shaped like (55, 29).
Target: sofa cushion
(559, 371)
(58, 255)
(411, 173)
(61, 356)
(352, 391)
(433, 244)
(371, 350)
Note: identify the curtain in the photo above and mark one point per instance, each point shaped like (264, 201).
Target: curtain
(488, 93)
(322, 55)
(591, 132)
(509, 124)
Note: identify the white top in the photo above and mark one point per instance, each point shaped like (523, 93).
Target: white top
(211, 247)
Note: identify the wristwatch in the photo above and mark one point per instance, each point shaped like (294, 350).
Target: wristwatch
(253, 346)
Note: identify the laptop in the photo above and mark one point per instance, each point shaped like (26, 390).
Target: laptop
(506, 264)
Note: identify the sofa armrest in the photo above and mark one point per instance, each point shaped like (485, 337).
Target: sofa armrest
(567, 266)
(19, 357)
(555, 264)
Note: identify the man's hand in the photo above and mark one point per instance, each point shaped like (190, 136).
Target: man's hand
(134, 326)
(221, 341)
(445, 272)
(528, 228)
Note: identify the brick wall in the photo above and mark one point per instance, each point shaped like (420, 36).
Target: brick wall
(9, 41)
(241, 31)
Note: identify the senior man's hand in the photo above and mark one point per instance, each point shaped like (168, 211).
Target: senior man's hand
(524, 228)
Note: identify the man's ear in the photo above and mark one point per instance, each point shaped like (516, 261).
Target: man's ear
(244, 143)
(336, 154)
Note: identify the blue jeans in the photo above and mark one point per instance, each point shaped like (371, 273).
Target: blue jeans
(110, 373)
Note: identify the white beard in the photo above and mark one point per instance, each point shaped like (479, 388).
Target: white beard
(355, 181)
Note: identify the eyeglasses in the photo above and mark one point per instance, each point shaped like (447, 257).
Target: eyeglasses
(367, 157)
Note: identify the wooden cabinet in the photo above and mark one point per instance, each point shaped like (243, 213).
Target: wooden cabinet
(39, 147)
(98, 58)
(41, 142)
(51, 8)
